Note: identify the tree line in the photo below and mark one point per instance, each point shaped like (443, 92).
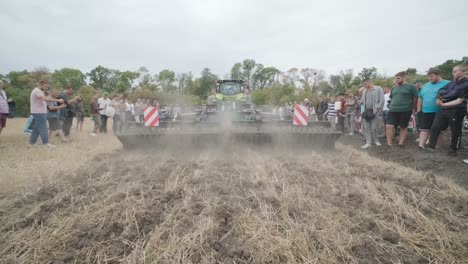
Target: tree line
(269, 85)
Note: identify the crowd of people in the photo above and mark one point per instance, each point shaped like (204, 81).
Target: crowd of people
(434, 107)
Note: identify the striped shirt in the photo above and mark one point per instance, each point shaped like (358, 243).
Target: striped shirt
(331, 109)
(3, 102)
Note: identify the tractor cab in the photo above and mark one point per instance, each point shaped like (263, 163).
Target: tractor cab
(230, 88)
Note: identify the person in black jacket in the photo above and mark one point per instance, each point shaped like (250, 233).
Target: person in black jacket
(322, 107)
(451, 115)
(66, 115)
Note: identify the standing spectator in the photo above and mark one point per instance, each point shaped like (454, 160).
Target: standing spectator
(67, 113)
(387, 89)
(119, 116)
(103, 102)
(451, 115)
(373, 101)
(4, 110)
(403, 103)
(39, 112)
(128, 110)
(79, 112)
(139, 110)
(53, 112)
(340, 107)
(331, 112)
(359, 123)
(351, 109)
(322, 107)
(427, 106)
(94, 109)
(308, 106)
(419, 84)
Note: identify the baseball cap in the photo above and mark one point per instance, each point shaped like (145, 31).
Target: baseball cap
(418, 81)
(105, 93)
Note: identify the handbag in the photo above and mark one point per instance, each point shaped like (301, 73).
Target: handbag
(368, 113)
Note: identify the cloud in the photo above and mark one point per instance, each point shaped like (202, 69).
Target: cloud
(188, 35)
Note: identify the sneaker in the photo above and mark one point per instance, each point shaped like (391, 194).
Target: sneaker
(466, 161)
(421, 148)
(429, 149)
(366, 146)
(93, 134)
(351, 134)
(466, 146)
(378, 144)
(50, 145)
(417, 140)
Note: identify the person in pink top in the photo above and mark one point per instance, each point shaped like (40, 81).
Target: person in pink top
(39, 113)
(4, 111)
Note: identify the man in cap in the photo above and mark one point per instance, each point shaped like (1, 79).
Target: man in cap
(103, 102)
(419, 84)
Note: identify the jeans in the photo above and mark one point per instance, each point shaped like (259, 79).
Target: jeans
(340, 123)
(116, 123)
(444, 119)
(370, 130)
(40, 129)
(332, 120)
(103, 124)
(67, 124)
(351, 122)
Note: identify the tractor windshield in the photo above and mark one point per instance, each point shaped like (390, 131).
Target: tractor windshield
(230, 88)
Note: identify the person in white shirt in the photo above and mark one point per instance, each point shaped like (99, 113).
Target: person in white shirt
(387, 90)
(103, 102)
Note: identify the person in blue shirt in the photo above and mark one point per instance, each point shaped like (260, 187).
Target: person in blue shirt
(427, 106)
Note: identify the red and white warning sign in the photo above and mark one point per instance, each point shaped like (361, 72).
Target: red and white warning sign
(301, 115)
(151, 116)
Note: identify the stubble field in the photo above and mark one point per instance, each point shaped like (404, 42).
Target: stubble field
(89, 201)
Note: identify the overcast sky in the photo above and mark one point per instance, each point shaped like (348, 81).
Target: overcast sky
(186, 35)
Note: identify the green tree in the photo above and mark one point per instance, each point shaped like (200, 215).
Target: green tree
(166, 79)
(99, 77)
(125, 80)
(20, 79)
(68, 77)
(146, 80)
(366, 73)
(411, 71)
(183, 80)
(236, 71)
(204, 84)
(447, 67)
(265, 76)
(341, 82)
(86, 93)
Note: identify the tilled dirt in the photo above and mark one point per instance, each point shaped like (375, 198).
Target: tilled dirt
(437, 163)
(237, 206)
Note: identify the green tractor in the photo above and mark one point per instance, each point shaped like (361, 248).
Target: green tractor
(228, 117)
